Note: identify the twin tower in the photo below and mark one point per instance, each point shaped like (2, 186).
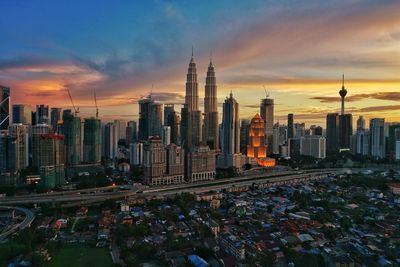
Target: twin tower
(193, 131)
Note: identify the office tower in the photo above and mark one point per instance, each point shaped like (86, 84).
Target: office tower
(332, 132)
(391, 144)
(299, 130)
(72, 131)
(7, 155)
(256, 148)
(19, 133)
(175, 165)
(363, 141)
(150, 118)
(110, 141)
(267, 113)
(4, 107)
(244, 135)
(191, 115)
(131, 132)
(33, 117)
(345, 130)
(173, 121)
(91, 141)
(144, 117)
(136, 153)
(51, 160)
(377, 131)
(200, 164)
(166, 135)
(120, 128)
(313, 145)
(42, 114)
(230, 136)
(294, 147)
(55, 119)
(37, 131)
(154, 161)
(279, 137)
(360, 124)
(21, 114)
(168, 110)
(397, 143)
(210, 135)
(316, 130)
(155, 119)
(290, 125)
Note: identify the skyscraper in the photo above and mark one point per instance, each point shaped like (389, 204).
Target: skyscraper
(191, 127)
(51, 160)
(345, 130)
(150, 118)
(332, 132)
(168, 110)
(19, 133)
(267, 113)
(166, 135)
(377, 131)
(21, 114)
(37, 131)
(55, 119)
(42, 114)
(131, 132)
(360, 124)
(109, 142)
(173, 121)
(91, 141)
(120, 128)
(4, 107)
(71, 129)
(244, 135)
(210, 136)
(290, 133)
(230, 135)
(136, 153)
(313, 145)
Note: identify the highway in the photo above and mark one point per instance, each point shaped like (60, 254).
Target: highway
(29, 217)
(96, 195)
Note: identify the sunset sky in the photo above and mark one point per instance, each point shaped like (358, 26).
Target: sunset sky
(120, 48)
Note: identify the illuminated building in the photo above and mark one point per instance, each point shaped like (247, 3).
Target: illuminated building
(256, 147)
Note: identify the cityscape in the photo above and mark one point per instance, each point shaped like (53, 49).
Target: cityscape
(208, 172)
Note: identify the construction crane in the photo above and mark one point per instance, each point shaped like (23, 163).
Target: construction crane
(97, 108)
(266, 93)
(76, 110)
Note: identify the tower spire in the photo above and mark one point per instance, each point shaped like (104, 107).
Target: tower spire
(192, 51)
(343, 80)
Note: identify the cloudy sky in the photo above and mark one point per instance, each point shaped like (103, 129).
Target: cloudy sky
(298, 50)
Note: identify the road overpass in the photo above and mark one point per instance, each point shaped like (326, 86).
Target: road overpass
(96, 195)
(29, 217)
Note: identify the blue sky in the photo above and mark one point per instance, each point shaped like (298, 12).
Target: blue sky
(297, 49)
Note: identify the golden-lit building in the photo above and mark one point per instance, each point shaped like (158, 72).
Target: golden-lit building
(257, 148)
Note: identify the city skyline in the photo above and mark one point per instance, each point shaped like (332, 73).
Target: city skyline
(255, 48)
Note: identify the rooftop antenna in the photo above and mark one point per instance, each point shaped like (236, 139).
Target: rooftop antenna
(97, 108)
(192, 50)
